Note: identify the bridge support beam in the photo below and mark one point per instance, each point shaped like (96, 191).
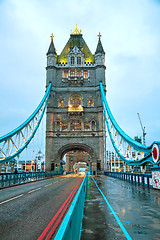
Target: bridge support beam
(156, 177)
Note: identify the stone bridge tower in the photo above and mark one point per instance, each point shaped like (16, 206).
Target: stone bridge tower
(74, 118)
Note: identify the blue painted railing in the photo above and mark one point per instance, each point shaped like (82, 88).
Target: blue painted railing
(10, 179)
(70, 228)
(139, 178)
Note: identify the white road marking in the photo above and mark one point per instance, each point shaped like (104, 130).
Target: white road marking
(59, 180)
(34, 190)
(11, 199)
(48, 185)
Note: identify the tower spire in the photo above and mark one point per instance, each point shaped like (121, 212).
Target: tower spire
(99, 36)
(51, 49)
(99, 48)
(52, 37)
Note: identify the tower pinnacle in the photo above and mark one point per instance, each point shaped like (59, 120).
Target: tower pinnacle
(52, 37)
(99, 48)
(76, 31)
(51, 49)
(99, 36)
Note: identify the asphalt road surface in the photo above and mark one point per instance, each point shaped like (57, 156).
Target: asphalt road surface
(27, 209)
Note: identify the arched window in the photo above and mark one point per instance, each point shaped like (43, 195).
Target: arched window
(64, 126)
(79, 73)
(58, 125)
(60, 102)
(78, 60)
(72, 60)
(85, 74)
(90, 102)
(72, 72)
(75, 125)
(93, 125)
(65, 74)
(76, 101)
(87, 126)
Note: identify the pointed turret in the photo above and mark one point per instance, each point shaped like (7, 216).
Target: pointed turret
(99, 48)
(51, 62)
(51, 49)
(51, 54)
(99, 54)
(100, 62)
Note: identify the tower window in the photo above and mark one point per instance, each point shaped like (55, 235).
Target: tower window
(58, 124)
(87, 126)
(85, 74)
(78, 60)
(78, 73)
(60, 102)
(93, 124)
(64, 126)
(75, 104)
(76, 101)
(65, 74)
(75, 125)
(90, 102)
(72, 73)
(72, 60)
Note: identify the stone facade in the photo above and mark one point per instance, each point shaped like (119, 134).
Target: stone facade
(74, 119)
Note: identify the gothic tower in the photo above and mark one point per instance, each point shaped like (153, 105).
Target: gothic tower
(74, 120)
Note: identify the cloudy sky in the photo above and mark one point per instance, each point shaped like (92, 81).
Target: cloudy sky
(130, 37)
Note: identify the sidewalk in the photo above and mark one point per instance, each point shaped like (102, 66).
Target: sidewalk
(98, 222)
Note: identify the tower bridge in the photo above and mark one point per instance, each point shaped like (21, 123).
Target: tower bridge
(74, 111)
(77, 119)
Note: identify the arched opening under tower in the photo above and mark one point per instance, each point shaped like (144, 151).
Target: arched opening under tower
(77, 160)
(73, 157)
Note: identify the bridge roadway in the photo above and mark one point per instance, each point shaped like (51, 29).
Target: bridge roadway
(26, 210)
(137, 207)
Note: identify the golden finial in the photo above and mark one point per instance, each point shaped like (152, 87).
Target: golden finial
(52, 37)
(76, 31)
(99, 36)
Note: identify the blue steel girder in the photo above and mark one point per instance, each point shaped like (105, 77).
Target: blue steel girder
(128, 150)
(13, 143)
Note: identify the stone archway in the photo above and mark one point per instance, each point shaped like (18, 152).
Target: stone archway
(76, 146)
(92, 162)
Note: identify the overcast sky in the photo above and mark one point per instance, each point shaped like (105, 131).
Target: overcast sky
(131, 39)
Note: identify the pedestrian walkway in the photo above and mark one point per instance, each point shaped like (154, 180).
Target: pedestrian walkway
(137, 208)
